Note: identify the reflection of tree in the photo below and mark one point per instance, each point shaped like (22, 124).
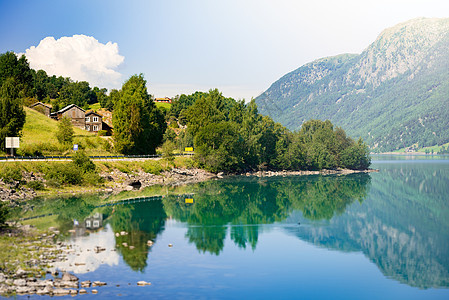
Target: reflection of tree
(142, 222)
(245, 203)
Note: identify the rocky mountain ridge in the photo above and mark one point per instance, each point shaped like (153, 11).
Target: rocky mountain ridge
(393, 94)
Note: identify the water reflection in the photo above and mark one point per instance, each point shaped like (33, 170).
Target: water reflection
(399, 218)
(402, 226)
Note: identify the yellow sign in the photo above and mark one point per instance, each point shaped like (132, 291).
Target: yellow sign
(189, 200)
(188, 149)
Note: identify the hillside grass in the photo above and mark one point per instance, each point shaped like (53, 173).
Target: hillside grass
(163, 105)
(39, 138)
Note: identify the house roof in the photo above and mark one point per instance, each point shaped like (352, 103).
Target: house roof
(40, 103)
(93, 113)
(69, 107)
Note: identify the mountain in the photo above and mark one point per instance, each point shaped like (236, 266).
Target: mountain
(393, 95)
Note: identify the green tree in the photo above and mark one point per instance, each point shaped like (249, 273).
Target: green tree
(356, 156)
(138, 124)
(219, 147)
(12, 114)
(65, 132)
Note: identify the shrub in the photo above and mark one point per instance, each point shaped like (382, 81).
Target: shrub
(4, 211)
(152, 167)
(11, 173)
(65, 131)
(36, 185)
(81, 160)
(102, 133)
(67, 173)
(92, 178)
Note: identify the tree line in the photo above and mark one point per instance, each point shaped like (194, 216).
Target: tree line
(230, 135)
(227, 135)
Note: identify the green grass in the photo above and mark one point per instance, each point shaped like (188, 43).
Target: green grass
(95, 106)
(163, 105)
(434, 148)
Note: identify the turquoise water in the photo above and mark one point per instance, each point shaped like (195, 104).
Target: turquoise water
(382, 235)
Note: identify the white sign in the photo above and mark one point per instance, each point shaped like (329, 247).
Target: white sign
(75, 147)
(12, 142)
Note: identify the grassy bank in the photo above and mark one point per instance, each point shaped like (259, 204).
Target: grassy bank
(55, 177)
(39, 138)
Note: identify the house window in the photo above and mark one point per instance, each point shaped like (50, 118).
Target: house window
(87, 119)
(96, 224)
(88, 223)
(87, 127)
(95, 128)
(95, 119)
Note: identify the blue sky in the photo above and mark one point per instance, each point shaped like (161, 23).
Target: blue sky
(238, 46)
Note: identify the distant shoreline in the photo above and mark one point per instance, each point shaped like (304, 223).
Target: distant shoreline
(406, 153)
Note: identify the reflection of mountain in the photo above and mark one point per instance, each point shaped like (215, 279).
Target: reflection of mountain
(403, 227)
(252, 201)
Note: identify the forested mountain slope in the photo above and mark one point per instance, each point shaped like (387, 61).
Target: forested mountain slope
(394, 94)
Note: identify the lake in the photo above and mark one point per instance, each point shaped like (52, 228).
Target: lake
(381, 235)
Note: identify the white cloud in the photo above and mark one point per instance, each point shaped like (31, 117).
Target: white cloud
(79, 57)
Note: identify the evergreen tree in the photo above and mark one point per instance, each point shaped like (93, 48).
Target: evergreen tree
(12, 114)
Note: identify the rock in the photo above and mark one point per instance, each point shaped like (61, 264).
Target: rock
(85, 283)
(125, 244)
(134, 184)
(150, 243)
(98, 249)
(80, 264)
(25, 290)
(82, 291)
(143, 283)
(45, 291)
(66, 284)
(131, 247)
(117, 234)
(60, 292)
(21, 273)
(98, 283)
(123, 233)
(170, 245)
(69, 277)
(94, 292)
(220, 175)
(73, 292)
(19, 282)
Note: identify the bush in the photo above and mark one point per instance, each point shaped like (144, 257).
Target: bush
(102, 133)
(36, 185)
(92, 178)
(83, 161)
(11, 173)
(67, 173)
(152, 167)
(4, 211)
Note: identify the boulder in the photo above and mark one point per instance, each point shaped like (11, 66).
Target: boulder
(69, 277)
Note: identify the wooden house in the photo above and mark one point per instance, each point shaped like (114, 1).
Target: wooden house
(42, 108)
(93, 121)
(163, 100)
(75, 113)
